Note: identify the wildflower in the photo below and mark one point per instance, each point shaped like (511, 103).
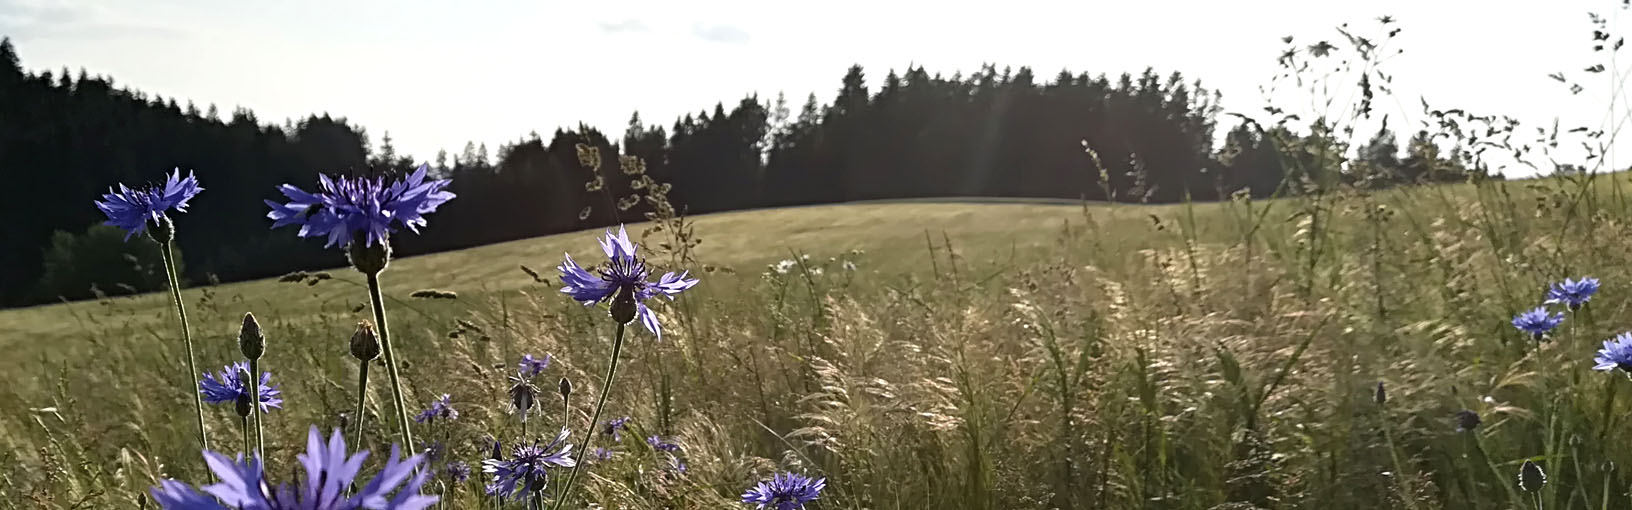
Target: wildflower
(602, 454)
(564, 388)
(526, 471)
(432, 450)
(784, 266)
(849, 266)
(359, 208)
(1381, 396)
(785, 491)
(227, 385)
(614, 426)
(623, 281)
(1467, 420)
(329, 471)
(440, 408)
(135, 209)
(1531, 477)
(1573, 293)
(365, 343)
(657, 443)
(457, 471)
(1537, 322)
(523, 394)
(1617, 353)
(531, 366)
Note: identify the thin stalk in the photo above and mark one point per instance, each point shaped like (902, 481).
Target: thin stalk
(243, 426)
(187, 340)
(362, 400)
(260, 439)
(390, 360)
(1609, 404)
(600, 403)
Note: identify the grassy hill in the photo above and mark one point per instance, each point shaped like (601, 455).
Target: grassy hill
(979, 355)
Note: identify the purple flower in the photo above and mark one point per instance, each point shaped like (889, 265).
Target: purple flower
(440, 408)
(1617, 353)
(614, 426)
(602, 454)
(785, 491)
(457, 471)
(330, 472)
(133, 209)
(226, 386)
(623, 280)
(657, 443)
(1537, 322)
(1573, 293)
(526, 471)
(352, 208)
(531, 367)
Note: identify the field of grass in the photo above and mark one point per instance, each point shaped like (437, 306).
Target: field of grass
(992, 355)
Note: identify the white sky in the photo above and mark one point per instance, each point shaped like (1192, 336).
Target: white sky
(438, 74)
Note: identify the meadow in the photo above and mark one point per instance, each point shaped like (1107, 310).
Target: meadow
(932, 355)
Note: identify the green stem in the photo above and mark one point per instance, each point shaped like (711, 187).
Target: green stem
(187, 340)
(362, 400)
(390, 360)
(243, 426)
(595, 418)
(255, 385)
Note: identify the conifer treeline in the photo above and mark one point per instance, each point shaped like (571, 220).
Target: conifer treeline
(64, 139)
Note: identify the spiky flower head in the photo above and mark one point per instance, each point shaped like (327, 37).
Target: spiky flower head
(564, 388)
(1572, 293)
(135, 209)
(531, 367)
(227, 385)
(613, 427)
(347, 209)
(1531, 477)
(1537, 322)
(442, 408)
(365, 343)
(1467, 420)
(1617, 353)
(250, 339)
(329, 474)
(526, 471)
(602, 454)
(457, 471)
(623, 281)
(785, 491)
(523, 395)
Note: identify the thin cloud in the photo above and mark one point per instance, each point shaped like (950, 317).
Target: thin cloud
(724, 34)
(25, 19)
(626, 25)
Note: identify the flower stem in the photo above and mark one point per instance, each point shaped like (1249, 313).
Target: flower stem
(362, 400)
(243, 425)
(390, 359)
(255, 388)
(600, 403)
(187, 340)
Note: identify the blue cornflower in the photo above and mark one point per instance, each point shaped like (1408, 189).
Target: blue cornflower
(440, 408)
(134, 209)
(785, 491)
(623, 280)
(1537, 322)
(1573, 293)
(657, 443)
(226, 386)
(329, 475)
(457, 471)
(526, 471)
(359, 208)
(531, 367)
(602, 454)
(613, 428)
(1617, 353)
